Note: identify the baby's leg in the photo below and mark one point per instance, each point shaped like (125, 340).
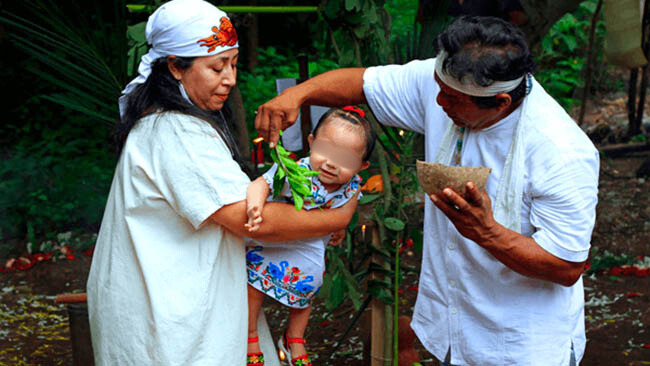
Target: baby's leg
(255, 299)
(298, 319)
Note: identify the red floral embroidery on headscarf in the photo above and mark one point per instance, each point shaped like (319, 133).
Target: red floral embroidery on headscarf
(225, 35)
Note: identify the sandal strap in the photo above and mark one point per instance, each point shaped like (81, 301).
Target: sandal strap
(301, 361)
(295, 340)
(288, 341)
(253, 340)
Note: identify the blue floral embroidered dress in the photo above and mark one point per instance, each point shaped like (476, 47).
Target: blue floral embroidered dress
(292, 272)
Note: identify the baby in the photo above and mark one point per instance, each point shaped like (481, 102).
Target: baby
(292, 273)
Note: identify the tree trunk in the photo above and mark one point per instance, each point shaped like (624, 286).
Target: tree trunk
(542, 14)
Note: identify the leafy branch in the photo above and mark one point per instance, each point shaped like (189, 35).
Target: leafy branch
(296, 175)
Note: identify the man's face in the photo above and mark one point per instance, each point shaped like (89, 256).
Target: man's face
(463, 111)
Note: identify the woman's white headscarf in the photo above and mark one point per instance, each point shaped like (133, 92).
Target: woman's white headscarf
(184, 28)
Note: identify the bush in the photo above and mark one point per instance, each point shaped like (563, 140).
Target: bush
(55, 178)
(563, 53)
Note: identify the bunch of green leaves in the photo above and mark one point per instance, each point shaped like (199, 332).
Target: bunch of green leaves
(562, 54)
(290, 172)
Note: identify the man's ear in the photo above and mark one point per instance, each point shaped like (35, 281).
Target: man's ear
(173, 69)
(364, 165)
(310, 139)
(504, 99)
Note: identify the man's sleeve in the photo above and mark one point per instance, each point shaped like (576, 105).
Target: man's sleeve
(395, 93)
(563, 207)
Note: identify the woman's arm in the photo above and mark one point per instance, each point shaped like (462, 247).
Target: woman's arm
(282, 222)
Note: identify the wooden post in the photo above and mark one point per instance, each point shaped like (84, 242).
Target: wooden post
(377, 312)
(305, 114)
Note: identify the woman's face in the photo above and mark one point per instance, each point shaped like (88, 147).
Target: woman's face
(209, 80)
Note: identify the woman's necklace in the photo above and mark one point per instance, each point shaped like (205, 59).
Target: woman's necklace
(459, 144)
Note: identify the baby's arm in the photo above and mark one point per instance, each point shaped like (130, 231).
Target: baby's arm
(256, 195)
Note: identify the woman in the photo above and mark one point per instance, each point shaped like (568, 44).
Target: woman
(167, 284)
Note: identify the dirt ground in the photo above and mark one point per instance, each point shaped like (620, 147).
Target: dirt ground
(34, 330)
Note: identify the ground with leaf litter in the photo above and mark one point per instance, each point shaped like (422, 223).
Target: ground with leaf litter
(34, 330)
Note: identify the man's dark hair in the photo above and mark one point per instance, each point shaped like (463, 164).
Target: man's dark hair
(355, 119)
(160, 92)
(489, 49)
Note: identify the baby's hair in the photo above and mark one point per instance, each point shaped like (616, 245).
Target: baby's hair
(354, 117)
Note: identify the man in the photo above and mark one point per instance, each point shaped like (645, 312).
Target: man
(500, 282)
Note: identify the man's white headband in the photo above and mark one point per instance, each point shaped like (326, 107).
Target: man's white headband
(469, 86)
(184, 28)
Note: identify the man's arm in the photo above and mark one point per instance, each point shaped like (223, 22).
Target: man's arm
(474, 220)
(282, 222)
(333, 88)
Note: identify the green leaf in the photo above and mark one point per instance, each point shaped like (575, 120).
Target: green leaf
(297, 200)
(394, 224)
(381, 294)
(353, 222)
(367, 198)
(337, 291)
(278, 184)
(350, 5)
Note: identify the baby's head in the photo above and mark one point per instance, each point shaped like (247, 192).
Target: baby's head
(341, 145)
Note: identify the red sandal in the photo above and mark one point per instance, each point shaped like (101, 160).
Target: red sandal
(254, 359)
(285, 353)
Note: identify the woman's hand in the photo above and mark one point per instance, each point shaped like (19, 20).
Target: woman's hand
(473, 216)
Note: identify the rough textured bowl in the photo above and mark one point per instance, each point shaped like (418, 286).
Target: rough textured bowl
(435, 177)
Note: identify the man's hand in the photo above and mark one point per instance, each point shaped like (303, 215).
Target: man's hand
(275, 115)
(473, 216)
(337, 238)
(254, 218)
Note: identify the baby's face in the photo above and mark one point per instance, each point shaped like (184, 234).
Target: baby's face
(337, 152)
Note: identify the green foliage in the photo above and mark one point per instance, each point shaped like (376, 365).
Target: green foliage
(296, 175)
(358, 30)
(85, 62)
(563, 53)
(54, 181)
(56, 166)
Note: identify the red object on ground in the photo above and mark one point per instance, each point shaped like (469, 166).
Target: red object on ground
(615, 271)
(646, 346)
(407, 354)
(71, 298)
(633, 294)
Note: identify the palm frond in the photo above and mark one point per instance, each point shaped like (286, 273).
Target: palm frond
(83, 57)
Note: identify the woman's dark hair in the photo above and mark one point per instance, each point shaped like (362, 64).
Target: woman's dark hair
(355, 119)
(489, 49)
(160, 92)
